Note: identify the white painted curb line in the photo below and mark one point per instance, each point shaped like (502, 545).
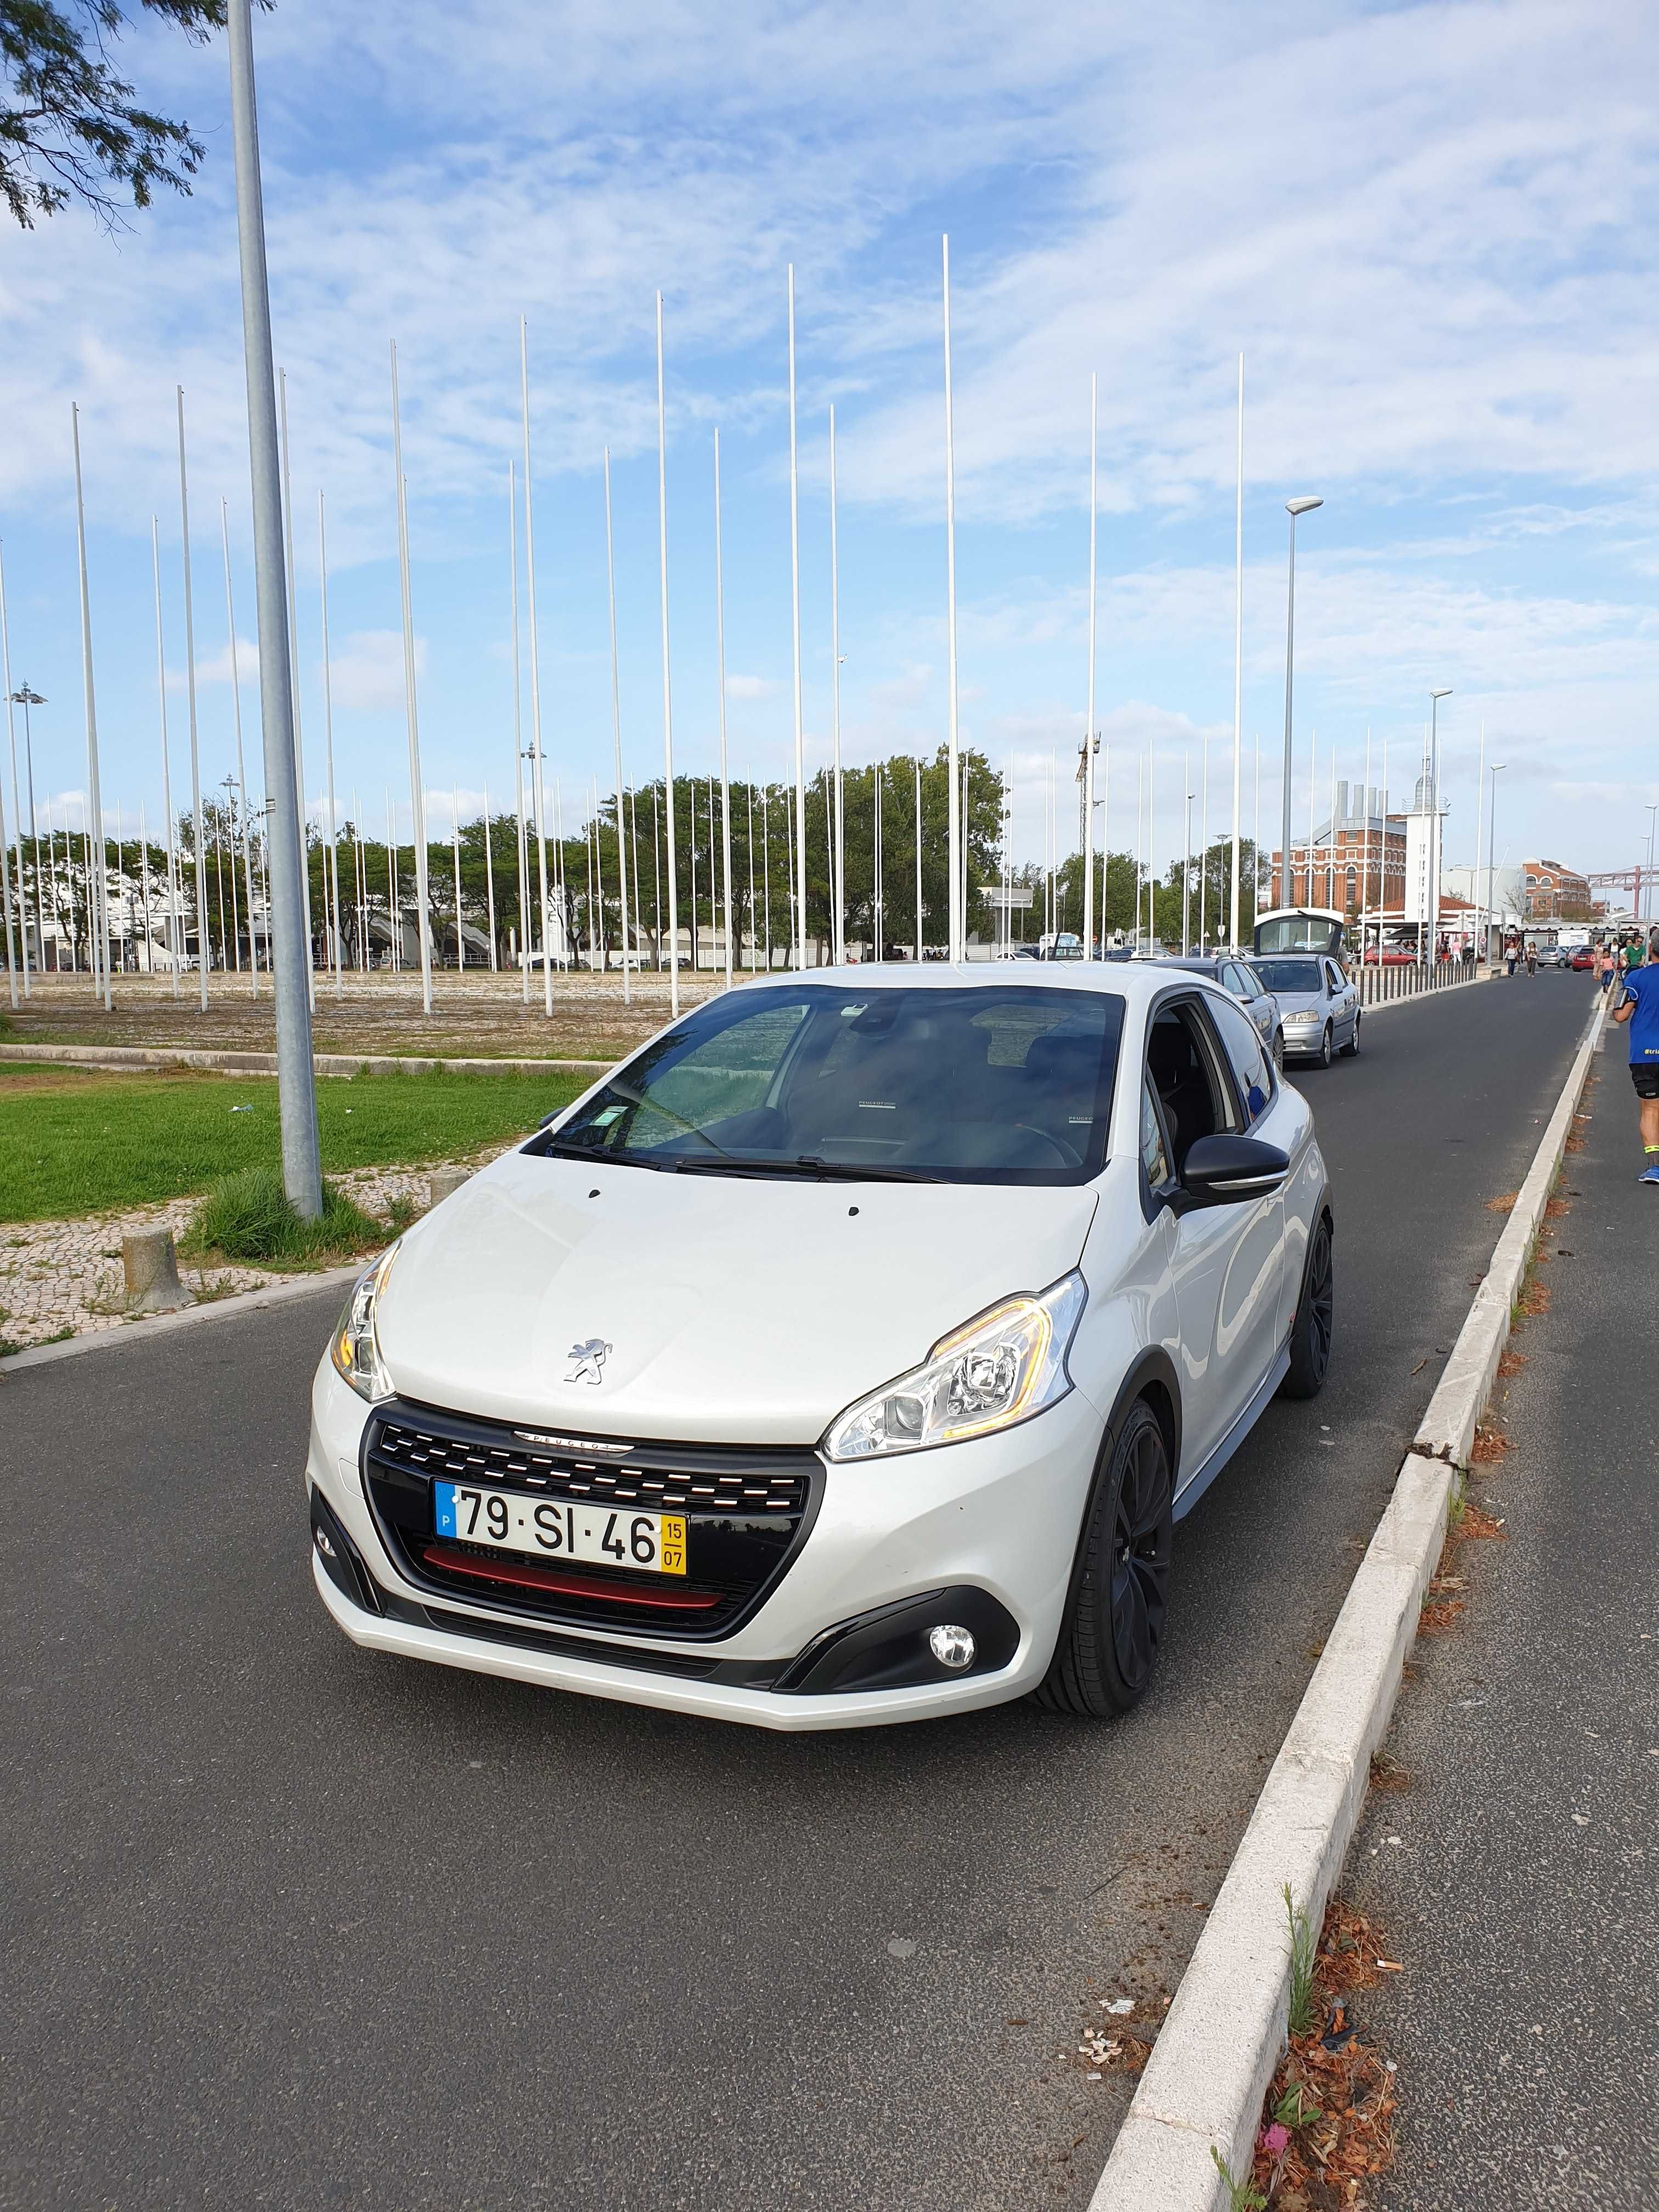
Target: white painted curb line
(115, 1058)
(229, 1309)
(1208, 2074)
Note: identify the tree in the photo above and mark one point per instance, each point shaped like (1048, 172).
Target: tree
(70, 128)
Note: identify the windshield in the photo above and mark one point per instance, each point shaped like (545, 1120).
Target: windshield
(1289, 974)
(1006, 1085)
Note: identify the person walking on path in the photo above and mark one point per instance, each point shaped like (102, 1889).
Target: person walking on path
(1639, 1009)
(1608, 964)
(1532, 957)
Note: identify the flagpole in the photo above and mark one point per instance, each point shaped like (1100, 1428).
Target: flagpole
(99, 916)
(190, 684)
(667, 687)
(919, 929)
(615, 709)
(1089, 733)
(535, 666)
(417, 793)
(719, 656)
(241, 776)
(17, 812)
(800, 849)
(294, 686)
(956, 919)
(1238, 650)
(328, 744)
(838, 880)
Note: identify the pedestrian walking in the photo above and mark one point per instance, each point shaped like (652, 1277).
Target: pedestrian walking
(1512, 953)
(1608, 964)
(1639, 1009)
(1532, 957)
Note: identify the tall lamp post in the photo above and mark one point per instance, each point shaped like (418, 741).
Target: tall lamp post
(296, 1088)
(1653, 821)
(1495, 771)
(1432, 886)
(26, 698)
(1293, 507)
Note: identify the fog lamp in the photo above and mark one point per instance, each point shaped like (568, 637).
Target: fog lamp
(951, 1646)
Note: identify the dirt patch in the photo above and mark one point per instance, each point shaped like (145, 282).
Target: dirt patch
(1534, 1299)
(1503, 1203)
(1327, 2127)
(1509, 1365)
(1475, 1521)
(1489, 1444)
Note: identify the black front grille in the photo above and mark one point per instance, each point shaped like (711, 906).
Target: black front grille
(746, 1509)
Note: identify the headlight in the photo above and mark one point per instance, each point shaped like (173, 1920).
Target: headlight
(356, 1350)
(993, 1372)
(1291, 1020)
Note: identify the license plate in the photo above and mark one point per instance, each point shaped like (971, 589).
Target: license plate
(546, 1528)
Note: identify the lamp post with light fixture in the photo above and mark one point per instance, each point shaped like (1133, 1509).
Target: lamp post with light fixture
(1293, 507)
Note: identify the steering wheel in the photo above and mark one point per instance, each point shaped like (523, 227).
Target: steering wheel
(1062, 1151)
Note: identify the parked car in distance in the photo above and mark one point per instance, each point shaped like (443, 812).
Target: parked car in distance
(1393, 956)
(1243, 978)
(1318, 1006)
(1554, 956)
(1583, 960)
(845, 1356)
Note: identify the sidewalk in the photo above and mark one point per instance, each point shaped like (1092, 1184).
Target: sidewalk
(1515, 1872)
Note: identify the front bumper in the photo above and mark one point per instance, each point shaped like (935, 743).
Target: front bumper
(999, 1517)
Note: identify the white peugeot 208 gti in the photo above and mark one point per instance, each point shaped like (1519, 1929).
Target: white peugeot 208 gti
(845, 1356)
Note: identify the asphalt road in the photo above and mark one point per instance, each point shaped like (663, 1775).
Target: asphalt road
(1516, 1877)
(290, 1924)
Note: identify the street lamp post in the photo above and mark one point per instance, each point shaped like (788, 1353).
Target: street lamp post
(1496, 770)
(1653, 821)
(1430, 917)
(1293, 507)
(26, 698)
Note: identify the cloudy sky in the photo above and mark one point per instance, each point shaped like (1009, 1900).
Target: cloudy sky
(1430, 230)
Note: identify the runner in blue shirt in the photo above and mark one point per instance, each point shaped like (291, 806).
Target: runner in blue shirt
(1639, 1007)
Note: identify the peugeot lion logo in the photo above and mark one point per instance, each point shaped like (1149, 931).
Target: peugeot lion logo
(586, 1360)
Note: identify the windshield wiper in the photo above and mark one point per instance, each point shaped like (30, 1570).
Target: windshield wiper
(562, 1149)
(805, 1165)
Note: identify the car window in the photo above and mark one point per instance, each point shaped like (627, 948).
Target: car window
(1333, 978)
(1009, 1083)
(1232, 979)
(1250, 1063)
(1258, 985)
(1184, 1063)
(1291, 975)
(1154, 1159)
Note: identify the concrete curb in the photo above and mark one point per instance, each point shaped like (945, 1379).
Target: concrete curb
(1447, 1430)
(227, 1309)
(1204, 2084)
(118, 1058)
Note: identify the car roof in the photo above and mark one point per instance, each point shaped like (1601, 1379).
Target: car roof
(1139, 982)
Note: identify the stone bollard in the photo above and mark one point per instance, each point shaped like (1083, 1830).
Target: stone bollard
(446, 1182)
(152, 1272)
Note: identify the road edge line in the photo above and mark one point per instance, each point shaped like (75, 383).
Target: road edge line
(1202, 2089)
(141, 1331)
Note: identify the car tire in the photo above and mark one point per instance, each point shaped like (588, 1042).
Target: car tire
(1278, 1051)
(1109, 1639)
(1326, 1053)
(1352, 1047)
(1311, 1330)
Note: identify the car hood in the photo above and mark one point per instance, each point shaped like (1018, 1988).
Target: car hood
(733, 1309)
(1300, 1002)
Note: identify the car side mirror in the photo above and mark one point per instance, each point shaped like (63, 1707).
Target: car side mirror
(1221, 1170)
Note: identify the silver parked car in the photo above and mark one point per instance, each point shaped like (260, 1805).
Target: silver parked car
(1244, 980)
(1318, 1003)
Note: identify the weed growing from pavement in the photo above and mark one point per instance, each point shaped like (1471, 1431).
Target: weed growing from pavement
(248, 1217)
(1241, 2196)
(1302, 1967)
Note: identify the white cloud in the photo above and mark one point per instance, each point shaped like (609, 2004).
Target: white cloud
(367, 670)
(750, 687)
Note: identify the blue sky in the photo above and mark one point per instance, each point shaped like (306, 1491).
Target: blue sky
(1429, 229)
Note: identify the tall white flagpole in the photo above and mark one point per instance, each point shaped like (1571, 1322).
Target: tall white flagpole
(719, 672)
(799, 845)
(294, 686)
(616, 713)
(332, 879)
(242, 778)
(101, 909)
(167, 767)
(957, 918)
(455, 849)
(17, 812)
(1479, 786)
(518, 740)
(838, 879)
(535, 667)
(1203, 847)
(190, 692)
(919, 930)
(1238, 649)
(416, 792)
(1089, 729)
(489, 881)
(667, 686)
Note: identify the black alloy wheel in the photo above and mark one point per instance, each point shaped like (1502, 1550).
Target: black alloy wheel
(1108, 1641)
(1315, 1315)
(1326, 1055)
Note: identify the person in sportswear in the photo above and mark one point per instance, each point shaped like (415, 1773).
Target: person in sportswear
(1639, 1009)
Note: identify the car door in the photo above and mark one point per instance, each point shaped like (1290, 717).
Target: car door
(1225, 1279)
(1248, 1325)
(1247, 991)
(1344, 1003)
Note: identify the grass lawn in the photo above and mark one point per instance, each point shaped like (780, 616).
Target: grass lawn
(73, 1143)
